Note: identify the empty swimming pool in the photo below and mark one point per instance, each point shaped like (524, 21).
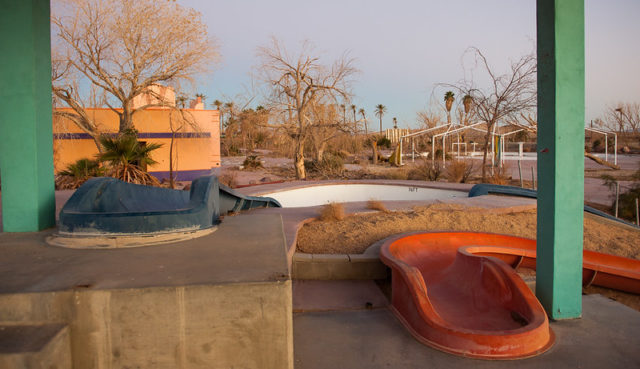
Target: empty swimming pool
(324, 194)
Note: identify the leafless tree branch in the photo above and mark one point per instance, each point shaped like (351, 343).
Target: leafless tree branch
(298, 85)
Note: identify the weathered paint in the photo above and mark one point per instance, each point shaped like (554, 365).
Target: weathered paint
(28, 201)
(560, 156)
(107, 205)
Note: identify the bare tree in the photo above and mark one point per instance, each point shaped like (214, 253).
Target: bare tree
(623, 117)
(126, 46)
(67, 94)
(248, 129)
(326, 126)
(179, 120)
(232, 110)
(217, 103)
(507, 95)
(428, 119)
(298, 82)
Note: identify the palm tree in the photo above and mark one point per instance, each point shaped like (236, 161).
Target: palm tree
(217, 103)
(181, 101)
(199, 99)
(449, 96)
(467, 101)
(127, 159)
(379, 111)
(364, 118)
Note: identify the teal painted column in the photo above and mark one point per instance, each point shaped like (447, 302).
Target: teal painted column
(26, 144)
(560, 156)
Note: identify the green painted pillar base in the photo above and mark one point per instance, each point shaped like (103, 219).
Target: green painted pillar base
(26, 147)
(560, 156)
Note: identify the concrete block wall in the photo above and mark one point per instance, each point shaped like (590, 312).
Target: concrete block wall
(36, 346)
(243, 325)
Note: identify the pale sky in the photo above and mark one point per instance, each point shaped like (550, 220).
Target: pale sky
(405, 47)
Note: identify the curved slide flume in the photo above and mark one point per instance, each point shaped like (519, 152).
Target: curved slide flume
(459, 292)
(487, 189)
(232, 201)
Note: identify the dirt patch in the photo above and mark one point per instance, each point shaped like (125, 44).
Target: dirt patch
(357, 232)
(629, 299)
(620, 175)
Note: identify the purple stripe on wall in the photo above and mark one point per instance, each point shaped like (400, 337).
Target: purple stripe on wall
(176, 135)
(182, 175)
(86, 136)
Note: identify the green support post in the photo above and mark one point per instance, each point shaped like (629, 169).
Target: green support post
(560, 156)
(26, 139)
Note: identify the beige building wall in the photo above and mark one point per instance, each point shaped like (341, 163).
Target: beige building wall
(196, 145)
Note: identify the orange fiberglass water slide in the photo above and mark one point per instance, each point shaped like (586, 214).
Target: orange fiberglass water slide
(459, 291)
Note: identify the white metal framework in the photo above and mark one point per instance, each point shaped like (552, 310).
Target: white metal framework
(474, 126)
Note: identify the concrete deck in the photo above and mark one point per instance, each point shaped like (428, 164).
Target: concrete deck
(219, 301)
(30, 265)
(606, 337)
(331, 295)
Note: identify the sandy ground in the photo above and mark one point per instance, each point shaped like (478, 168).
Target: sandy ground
(357, 232)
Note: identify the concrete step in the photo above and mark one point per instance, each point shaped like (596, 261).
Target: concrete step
(314, 295)
(35, 346)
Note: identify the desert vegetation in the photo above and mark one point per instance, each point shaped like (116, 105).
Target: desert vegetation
(121, 157)
(304, 111)
(106, 53)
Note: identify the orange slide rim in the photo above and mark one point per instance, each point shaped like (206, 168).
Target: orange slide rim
(415, 308)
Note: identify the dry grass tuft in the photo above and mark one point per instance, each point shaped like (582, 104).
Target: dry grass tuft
(332, 212)
(459, 171)
(229, 179)
(396, 174)
(500, 175)
(376, 205)
(426, 170)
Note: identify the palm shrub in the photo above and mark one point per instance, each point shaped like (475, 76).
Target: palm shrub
(126, 159)
(252, 162)
(78, 173)
(383, 141)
